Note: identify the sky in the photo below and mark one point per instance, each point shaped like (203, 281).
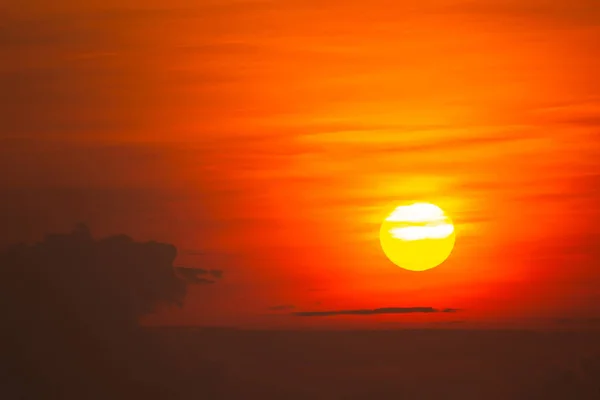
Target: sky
(267, 139)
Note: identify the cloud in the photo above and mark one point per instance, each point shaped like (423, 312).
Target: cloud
(376, 311)
(113, 279)
(78, 300)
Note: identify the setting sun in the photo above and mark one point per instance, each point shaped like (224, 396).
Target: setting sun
(417, 236)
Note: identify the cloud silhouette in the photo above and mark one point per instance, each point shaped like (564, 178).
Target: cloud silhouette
(71, 306)
(376, 311)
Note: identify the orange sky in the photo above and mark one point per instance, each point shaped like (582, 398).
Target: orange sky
(272, 136)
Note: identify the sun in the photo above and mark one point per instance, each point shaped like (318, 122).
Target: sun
(417, 236)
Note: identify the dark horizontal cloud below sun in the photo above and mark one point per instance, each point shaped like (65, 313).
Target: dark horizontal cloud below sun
(376, 311)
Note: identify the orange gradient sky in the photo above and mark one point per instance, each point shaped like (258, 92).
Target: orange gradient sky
(272, 136)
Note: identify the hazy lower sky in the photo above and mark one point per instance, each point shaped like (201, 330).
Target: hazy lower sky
(268, 138)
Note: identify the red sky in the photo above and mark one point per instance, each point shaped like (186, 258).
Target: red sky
(272, 135)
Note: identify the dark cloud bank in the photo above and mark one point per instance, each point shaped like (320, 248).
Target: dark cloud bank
(70, 308)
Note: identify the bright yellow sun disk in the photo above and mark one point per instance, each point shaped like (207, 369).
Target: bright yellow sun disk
(417, 236)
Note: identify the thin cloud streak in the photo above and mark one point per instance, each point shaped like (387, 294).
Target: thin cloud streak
(376, 311)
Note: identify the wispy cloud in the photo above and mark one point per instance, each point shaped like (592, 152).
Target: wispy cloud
(376, 311)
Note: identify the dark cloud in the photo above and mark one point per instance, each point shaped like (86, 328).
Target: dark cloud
(113, 279)
(376, 311)
(71, 306)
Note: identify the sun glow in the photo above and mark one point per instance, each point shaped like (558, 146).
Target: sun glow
(417, 236)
